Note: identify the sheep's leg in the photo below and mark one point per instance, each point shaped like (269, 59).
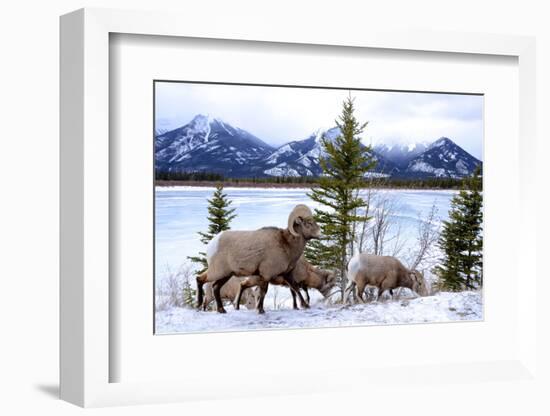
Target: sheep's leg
(303, 303)
(263, 285)
(293, 286)
(237, 301)
(307, 295)
(201, 280)
(349, 290)
(360, 291)
(216, 287)
(207, 301)
(245, 284)
(294, 304)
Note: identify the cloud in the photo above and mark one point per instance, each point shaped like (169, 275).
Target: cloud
(280, 114)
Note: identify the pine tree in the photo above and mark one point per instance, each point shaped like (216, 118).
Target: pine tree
(462, 239)
(188, 294)
(219, 217)
(344, 166)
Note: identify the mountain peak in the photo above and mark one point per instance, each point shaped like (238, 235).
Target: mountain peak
(444, 158)
(441, 141)
(207, 143)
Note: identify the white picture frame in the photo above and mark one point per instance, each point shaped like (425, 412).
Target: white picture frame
(85, 353)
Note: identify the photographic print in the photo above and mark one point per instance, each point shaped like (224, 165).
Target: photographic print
(283, 207)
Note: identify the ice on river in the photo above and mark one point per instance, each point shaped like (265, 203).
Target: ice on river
(180, 213)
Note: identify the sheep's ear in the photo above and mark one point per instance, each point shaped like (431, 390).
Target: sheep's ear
(297, 221)
(293, 221)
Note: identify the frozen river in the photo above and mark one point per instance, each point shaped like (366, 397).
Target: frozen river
(181, 213)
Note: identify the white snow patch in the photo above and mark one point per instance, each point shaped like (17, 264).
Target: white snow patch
(221, 123)
(443, 307)
(461, 167)
(375, 175)
(420, 166)
(305, 161)
(282, 170)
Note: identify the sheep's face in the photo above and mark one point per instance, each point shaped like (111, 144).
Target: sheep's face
(250, 298)
(307, 227)
(419, 283)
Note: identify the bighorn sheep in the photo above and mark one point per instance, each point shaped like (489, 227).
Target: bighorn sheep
(384, 272)
(304, 274)
(267, 253)
(229, 292)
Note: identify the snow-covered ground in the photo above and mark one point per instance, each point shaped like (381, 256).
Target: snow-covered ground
(443, 307)
(181, 212)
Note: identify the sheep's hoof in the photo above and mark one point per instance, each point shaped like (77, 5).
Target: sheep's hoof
(221, 310)
(261, 311)
(305, 306)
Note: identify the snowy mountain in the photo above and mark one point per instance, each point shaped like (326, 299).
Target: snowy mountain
(208, 144)
(401, 154)
(301, 157)
(443, 158)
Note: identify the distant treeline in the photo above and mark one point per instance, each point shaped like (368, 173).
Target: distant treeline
(187, 176)
(165, 177)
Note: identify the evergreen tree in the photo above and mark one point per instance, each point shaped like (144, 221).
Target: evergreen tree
(462, 239)
(219, 217)
(189, 294)
(344, 165)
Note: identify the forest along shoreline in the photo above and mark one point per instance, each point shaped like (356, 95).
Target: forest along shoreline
(274, 185)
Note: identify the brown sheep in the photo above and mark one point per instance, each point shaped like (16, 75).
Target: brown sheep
(306, 277)
(267, 253)
(229, 292)
(384, 272)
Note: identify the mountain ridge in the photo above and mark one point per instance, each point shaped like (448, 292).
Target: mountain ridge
(208, 144)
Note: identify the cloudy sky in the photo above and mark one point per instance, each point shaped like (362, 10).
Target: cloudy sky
(278, 115)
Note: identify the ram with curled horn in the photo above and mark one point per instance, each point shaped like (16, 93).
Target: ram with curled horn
(265, 253)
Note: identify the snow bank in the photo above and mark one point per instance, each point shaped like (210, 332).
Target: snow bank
(443, 307)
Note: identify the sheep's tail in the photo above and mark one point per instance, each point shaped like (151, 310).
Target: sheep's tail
(201, 280)
(353, 269)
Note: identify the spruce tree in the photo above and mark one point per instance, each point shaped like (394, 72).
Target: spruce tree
(344, 165)
(219, 216)
(461, 240)
(188, 294)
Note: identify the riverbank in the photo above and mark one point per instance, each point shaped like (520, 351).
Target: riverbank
(274, 185)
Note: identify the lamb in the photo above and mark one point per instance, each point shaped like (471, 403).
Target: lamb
(267, 253)
(229, 292)
(304, 274)
(384, 272)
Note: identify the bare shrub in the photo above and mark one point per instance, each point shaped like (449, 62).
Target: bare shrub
(379, 233)
(175, 289)
(425, 255)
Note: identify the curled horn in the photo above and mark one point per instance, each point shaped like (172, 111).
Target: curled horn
(298, 211)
